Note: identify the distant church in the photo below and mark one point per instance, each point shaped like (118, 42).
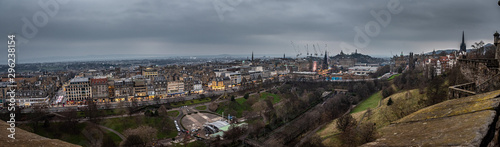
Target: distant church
(496, 42)
(463, 46)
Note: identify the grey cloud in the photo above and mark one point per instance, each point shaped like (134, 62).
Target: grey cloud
(265, 26)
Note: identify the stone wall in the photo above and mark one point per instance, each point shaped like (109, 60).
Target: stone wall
(469, 121)
(482, 72)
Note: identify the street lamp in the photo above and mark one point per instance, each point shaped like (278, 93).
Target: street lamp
(498, 2)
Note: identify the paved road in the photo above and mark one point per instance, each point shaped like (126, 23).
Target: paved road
(112, 105)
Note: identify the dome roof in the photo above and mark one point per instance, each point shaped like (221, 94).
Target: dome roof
(496, 34)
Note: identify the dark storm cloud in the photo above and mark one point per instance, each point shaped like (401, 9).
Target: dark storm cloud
(179, 27)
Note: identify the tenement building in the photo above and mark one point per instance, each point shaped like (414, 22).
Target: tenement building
(99, 88)
(78, 89)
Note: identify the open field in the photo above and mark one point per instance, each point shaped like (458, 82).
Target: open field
(275, 98)
(190, 102)
(165, 126)
(201, 107)
(370, 102)
(393, 76)
(173, 113)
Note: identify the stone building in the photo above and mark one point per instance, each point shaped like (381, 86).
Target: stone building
(78, 89)
(124, 88)
(99, 89)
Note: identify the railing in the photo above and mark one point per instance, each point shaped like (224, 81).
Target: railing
(483, 87)
(462, 90)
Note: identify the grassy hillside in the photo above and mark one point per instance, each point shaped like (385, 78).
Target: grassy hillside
(123, 123)
(407, 101)
(371, 102)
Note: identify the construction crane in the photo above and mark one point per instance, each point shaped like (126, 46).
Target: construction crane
(319, 49)
(307, 49)
(298, 51)
(315, 51)
(293, 45)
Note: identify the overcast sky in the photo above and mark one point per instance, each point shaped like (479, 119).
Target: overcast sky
(211, 27)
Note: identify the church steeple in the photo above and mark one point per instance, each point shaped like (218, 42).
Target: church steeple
(252, 56)
(463, 46)
(325, 61)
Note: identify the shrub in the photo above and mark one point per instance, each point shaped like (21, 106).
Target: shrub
(133, 140)
(148, 113)
(387, 92)
(389, 102)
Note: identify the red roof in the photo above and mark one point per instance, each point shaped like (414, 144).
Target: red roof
(99, 81)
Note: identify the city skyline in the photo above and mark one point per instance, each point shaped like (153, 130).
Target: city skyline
(170, 28)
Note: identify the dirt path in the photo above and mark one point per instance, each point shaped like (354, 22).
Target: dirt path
(111, 130)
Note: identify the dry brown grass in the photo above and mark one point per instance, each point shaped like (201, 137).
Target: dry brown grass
(378, 115)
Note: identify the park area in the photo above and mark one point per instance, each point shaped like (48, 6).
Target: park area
(371, 102)
(190, 102)
(165, 126)
(240, 105)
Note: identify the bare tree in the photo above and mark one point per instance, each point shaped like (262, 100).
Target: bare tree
(479, 49)
(234, 133)
(313, 141)
(38, 115)
(146, 133)
(92, 112)
(367, 132)
(70, 122)
(345, 122)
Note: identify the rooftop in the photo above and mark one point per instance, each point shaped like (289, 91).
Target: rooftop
(219, 124)
(79, 79)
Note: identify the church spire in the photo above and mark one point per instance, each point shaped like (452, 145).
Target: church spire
(252, 56)
(463, 36)
(325, 61)
(463, 46)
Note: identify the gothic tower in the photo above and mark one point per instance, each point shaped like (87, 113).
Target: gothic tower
(496, 42)
(325, 61)
(463, 46)
(252, 56)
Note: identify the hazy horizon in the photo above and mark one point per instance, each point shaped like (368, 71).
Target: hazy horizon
(71, 29)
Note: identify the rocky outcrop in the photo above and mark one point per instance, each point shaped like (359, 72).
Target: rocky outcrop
(27, 139)
(469, 121)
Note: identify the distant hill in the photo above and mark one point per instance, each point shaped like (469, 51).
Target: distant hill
(448, 51)
(359, 58)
